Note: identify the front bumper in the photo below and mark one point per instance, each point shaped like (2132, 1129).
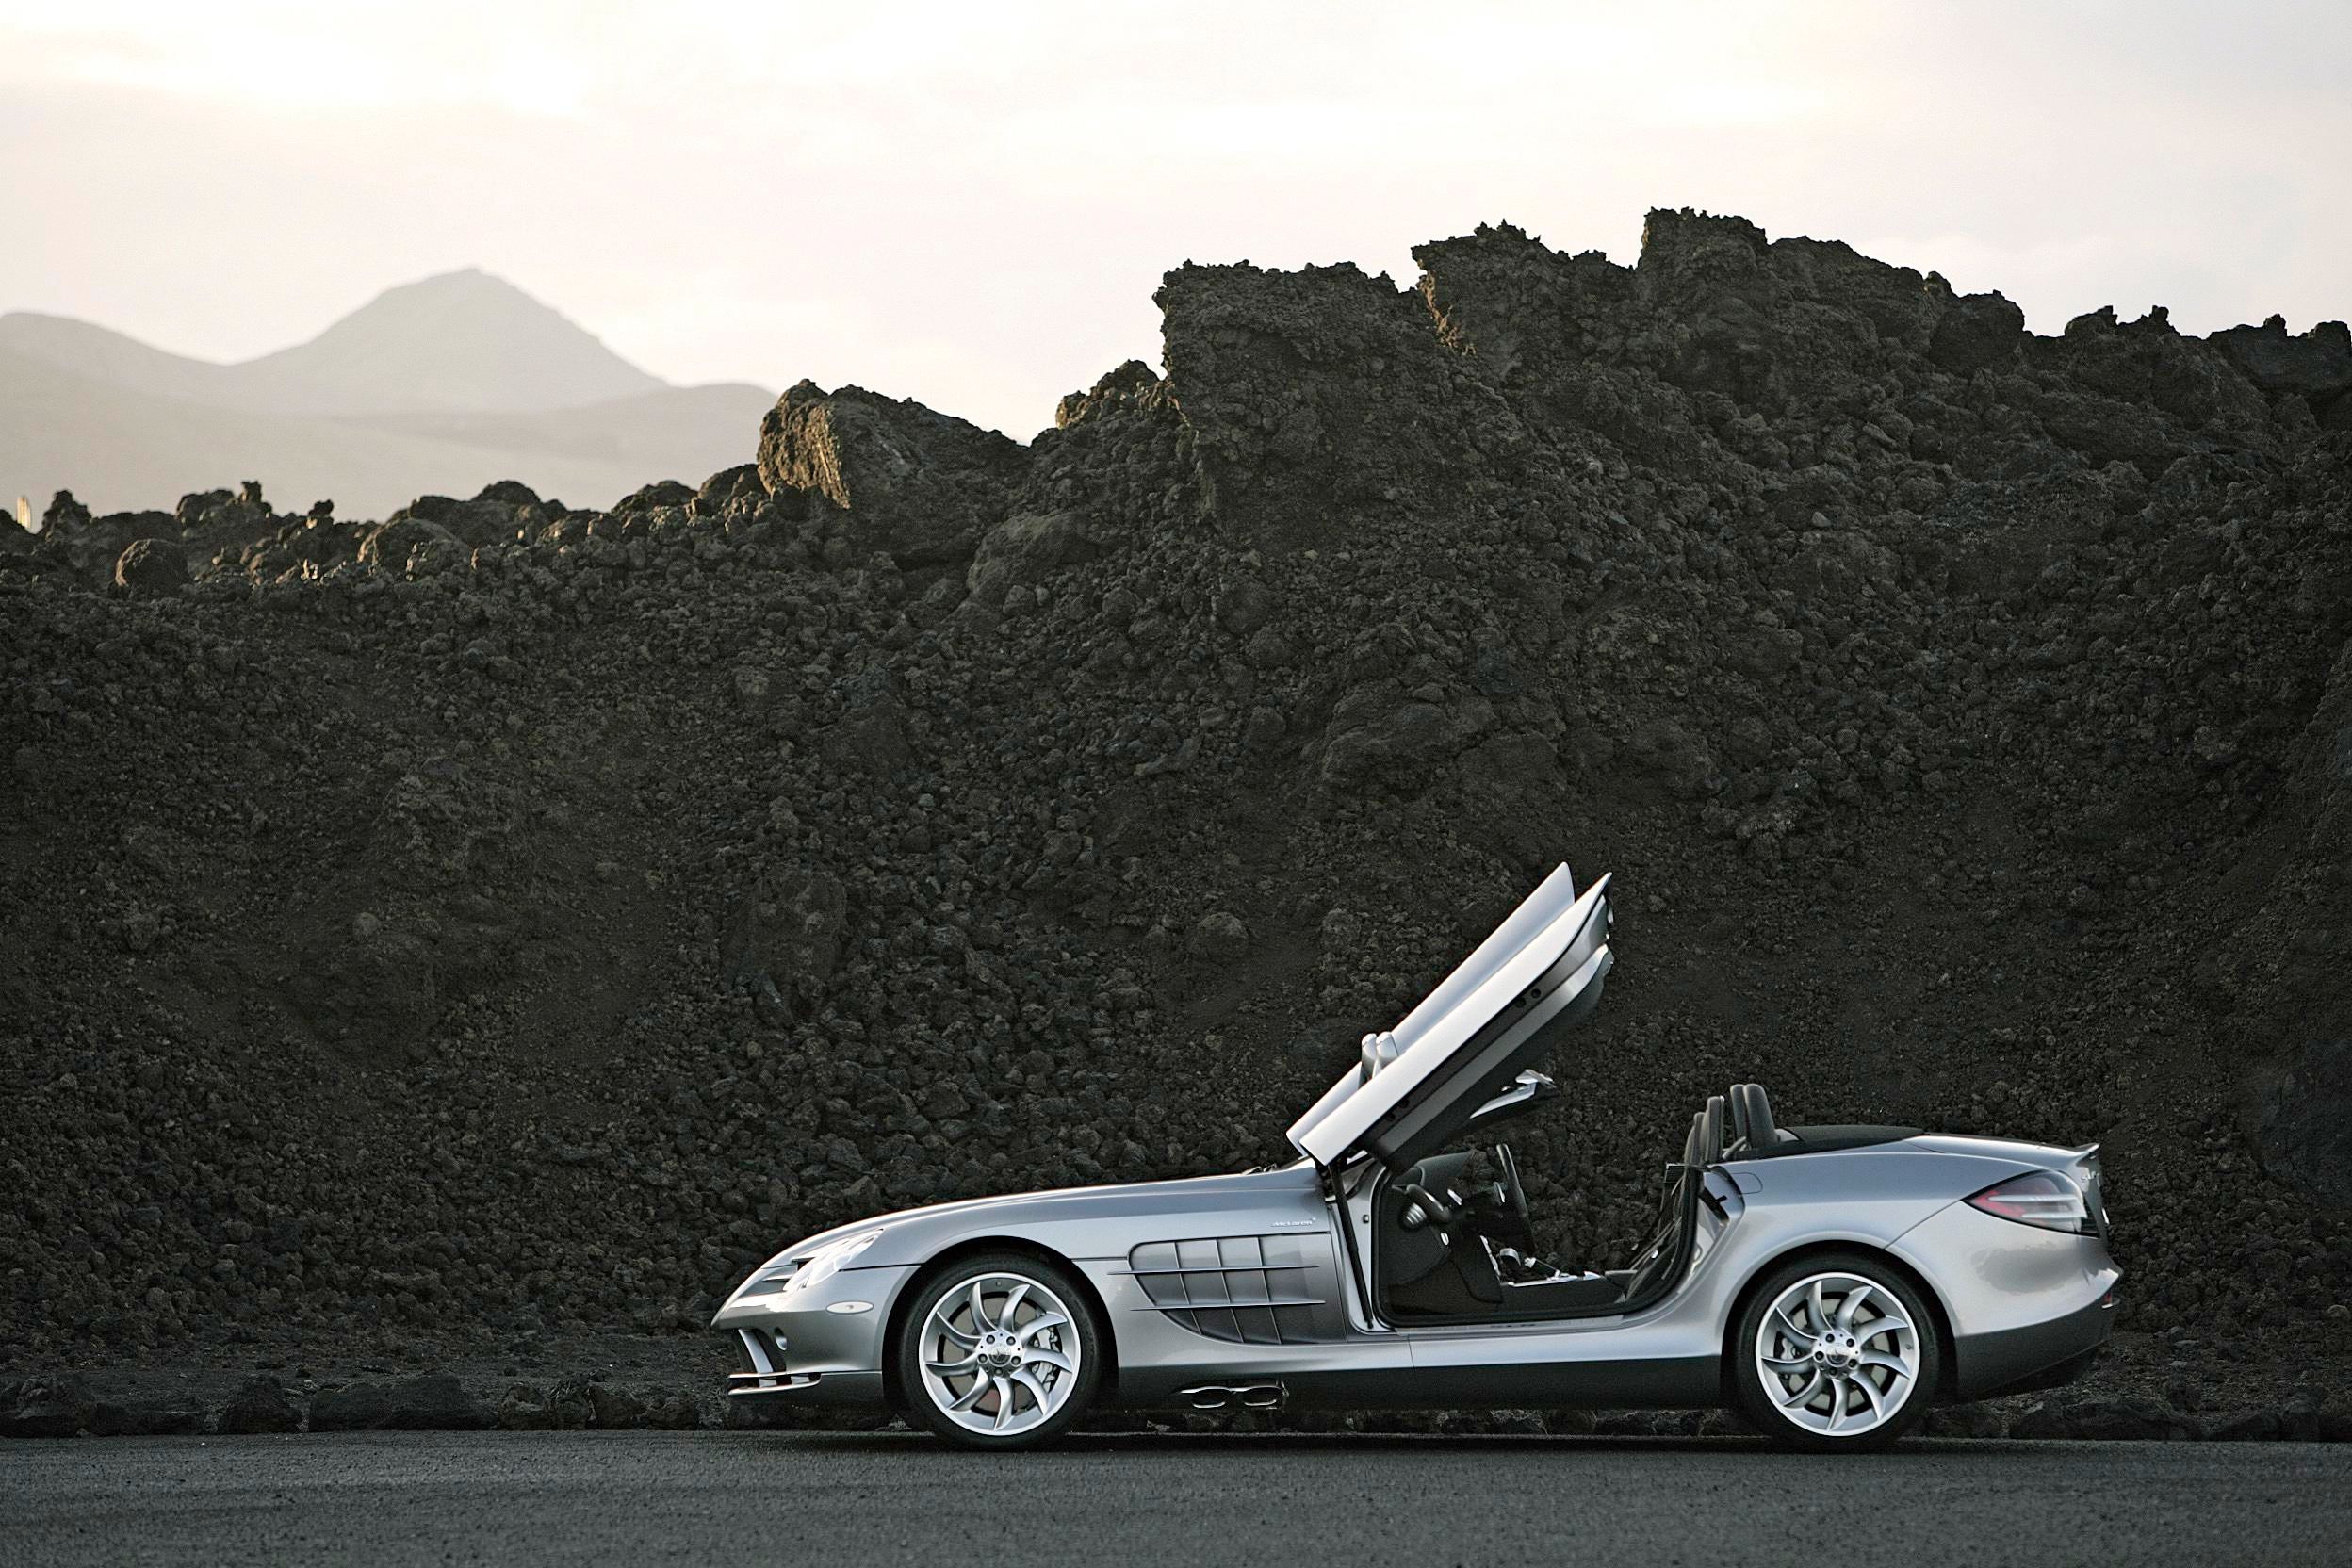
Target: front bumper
(771, 1377)
(818, 1345)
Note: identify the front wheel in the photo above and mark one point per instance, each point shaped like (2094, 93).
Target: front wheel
(1000, 1351)
(1835, 1352)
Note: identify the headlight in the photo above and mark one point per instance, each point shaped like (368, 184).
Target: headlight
(832, 1260)
(2041, 1198)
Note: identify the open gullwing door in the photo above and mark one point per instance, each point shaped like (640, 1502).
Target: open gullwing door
(1495, 1016)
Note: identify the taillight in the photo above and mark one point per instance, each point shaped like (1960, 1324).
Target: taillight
(2039, 1198)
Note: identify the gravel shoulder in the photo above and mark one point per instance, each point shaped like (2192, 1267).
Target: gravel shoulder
(2147, 1386)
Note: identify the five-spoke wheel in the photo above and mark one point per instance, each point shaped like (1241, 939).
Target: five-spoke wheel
(1835, 1352)
(999, 1351)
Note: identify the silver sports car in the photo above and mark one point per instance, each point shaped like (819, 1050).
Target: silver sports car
(1828, 1282)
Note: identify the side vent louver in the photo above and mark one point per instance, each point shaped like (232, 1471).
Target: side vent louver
(1245, 1290)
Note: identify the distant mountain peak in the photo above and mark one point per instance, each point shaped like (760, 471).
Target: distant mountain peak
(436, 386)
(463, 281)
(465, 341)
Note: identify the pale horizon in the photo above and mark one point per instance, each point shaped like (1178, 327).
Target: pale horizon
(972, 206)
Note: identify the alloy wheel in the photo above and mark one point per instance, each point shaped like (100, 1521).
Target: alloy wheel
(1838, 1354)
(998, 1354)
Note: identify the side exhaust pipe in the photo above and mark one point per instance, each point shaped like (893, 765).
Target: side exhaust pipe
(1240, 1397)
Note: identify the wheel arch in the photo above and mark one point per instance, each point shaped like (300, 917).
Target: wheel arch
(948, 1257)
(1947, 1370)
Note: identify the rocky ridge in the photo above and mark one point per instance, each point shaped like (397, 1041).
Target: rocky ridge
(510, 919)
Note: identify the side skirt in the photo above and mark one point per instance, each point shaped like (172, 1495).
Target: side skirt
(1692, 1382)
(1678, 1383)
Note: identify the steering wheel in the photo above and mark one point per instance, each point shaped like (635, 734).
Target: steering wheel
(1424, 1207)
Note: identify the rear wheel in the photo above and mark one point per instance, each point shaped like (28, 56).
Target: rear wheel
(1000, 1351)
(1835, 1352)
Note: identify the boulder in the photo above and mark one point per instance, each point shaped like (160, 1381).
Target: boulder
(916, 483)
(667, 492)
(150, 568)
(526, 1407)
(260, 1405)
(407, 542)
(1220, 938)
(43, 1407)
(1024, 551)
(1381, 737)
(436, 1402)
(614, 1409)
(1977, 330)
(728, 489)
(501, 492)
(196, 505)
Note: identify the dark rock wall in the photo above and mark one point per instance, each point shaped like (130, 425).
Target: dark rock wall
(517, 916)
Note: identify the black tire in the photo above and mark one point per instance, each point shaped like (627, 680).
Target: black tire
(1806, 1402)
(995, 1272)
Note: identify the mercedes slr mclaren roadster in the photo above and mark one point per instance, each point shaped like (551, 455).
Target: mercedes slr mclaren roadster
(1827, 1283)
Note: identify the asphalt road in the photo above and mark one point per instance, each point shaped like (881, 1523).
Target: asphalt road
(760, 1498)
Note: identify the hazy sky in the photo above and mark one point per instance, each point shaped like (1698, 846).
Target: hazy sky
(972, 204)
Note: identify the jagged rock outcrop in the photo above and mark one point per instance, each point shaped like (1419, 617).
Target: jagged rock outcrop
(917, 484)
(2314, 366)
(1319, 400)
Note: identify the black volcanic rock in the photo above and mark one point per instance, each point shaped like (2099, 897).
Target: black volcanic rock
(917, 484)
(149, 566)
(260, 1405)
(432, 1403)
(1975, 332)
(2314, 365)
(43, 1407)
(510, 923)
(667, 492)
(64, 514)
